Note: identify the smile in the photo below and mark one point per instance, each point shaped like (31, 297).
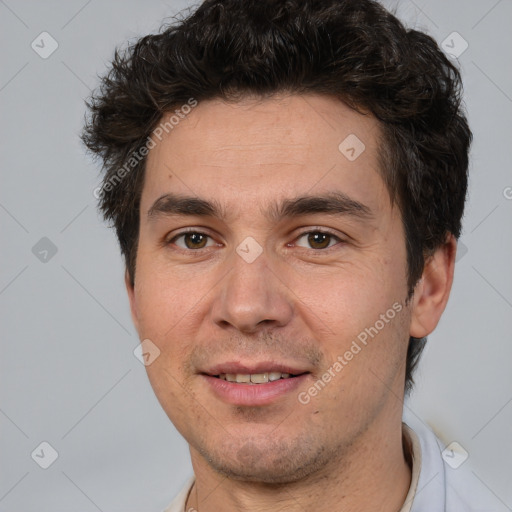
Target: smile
(255, 389)
(254, 378)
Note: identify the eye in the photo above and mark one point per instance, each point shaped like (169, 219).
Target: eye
(195, 240)
(192, 240)
(319, 239)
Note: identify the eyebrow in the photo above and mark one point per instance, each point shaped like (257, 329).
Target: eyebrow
(332, 203)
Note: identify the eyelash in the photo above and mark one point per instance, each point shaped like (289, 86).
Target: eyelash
(316, 231)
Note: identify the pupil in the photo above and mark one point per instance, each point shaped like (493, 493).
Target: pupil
(195, 239)
(316, 239)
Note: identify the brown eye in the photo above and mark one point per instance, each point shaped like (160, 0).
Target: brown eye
(319, 239)
(191, 240)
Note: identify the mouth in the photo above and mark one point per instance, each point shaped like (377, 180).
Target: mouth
(256, 378)
(260, 384)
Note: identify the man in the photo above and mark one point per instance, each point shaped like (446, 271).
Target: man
(287, 181)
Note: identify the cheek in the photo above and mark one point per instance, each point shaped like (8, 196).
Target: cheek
(166, 308)
(164, 302)
(360, 302)
(350, 295)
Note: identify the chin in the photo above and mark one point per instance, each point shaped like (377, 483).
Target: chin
(268, 461)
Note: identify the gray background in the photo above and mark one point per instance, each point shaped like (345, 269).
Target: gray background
(68, 373)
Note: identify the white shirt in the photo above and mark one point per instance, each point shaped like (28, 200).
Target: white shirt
(435, 485)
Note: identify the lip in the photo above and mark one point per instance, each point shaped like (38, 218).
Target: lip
(253, 394)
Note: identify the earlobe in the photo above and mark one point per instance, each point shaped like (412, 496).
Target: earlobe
(433, 289)
(130, 289)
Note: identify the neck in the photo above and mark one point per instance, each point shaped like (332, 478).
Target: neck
(375, 475)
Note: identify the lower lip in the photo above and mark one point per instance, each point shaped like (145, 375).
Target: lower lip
(254, 394)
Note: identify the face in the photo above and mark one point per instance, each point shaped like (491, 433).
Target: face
(269, 247)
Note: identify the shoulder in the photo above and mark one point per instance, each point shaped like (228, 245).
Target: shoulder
(447, 481)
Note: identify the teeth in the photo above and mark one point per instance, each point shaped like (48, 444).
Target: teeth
(259, 378)
(254, 378)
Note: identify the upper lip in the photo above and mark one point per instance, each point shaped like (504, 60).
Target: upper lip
(253, 367)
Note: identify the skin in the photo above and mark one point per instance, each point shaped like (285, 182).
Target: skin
(296, 302)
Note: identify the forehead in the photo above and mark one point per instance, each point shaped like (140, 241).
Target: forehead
(285, 145)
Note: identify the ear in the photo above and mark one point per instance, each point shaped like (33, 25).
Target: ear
(433, 289)
(130, 289)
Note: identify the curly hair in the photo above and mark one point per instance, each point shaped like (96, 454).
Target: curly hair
(353, 50)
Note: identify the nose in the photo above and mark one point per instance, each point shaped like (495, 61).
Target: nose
(251, 296)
